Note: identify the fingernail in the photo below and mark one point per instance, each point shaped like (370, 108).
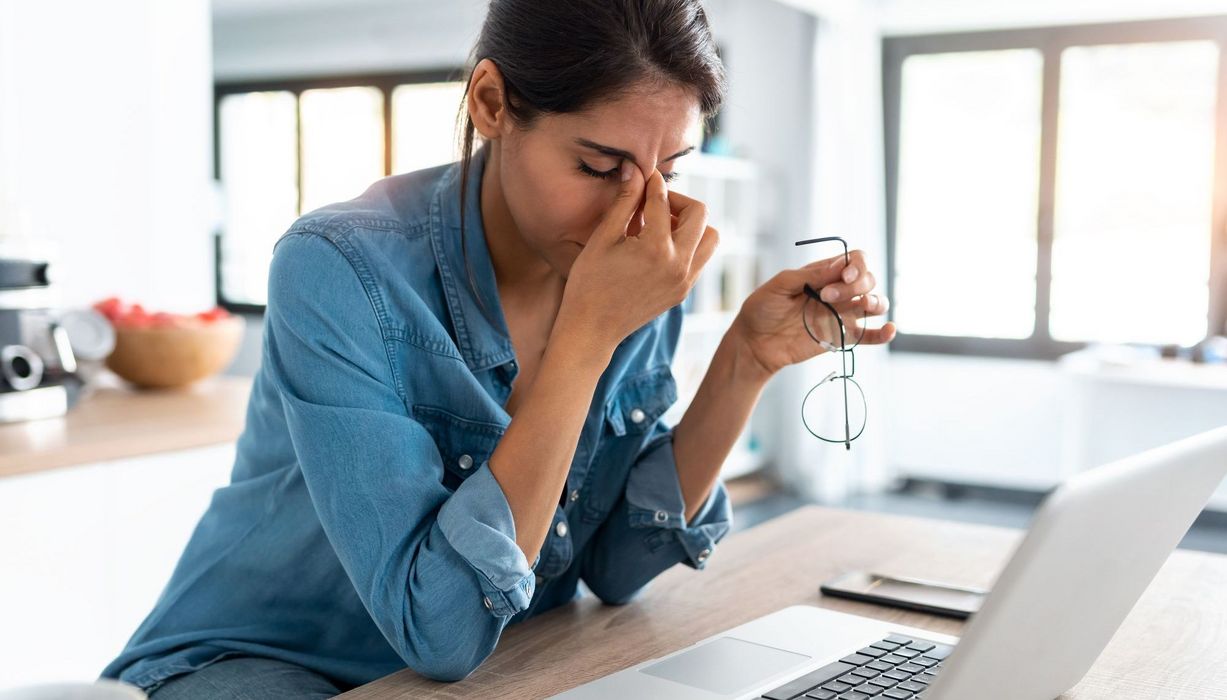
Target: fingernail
(830, 294)
(850, 273)
(626, 170)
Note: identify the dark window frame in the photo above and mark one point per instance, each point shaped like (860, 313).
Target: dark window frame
(384, 82)
(1051, 41)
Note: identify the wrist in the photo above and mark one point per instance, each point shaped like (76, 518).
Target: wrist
(738, 354)
(581, 340)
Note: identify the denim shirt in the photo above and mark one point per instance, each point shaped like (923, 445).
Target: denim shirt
(362, 530)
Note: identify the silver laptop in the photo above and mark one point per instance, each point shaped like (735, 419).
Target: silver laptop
(1093, 547)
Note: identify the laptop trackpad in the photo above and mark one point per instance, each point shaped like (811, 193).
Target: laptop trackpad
(726, 665)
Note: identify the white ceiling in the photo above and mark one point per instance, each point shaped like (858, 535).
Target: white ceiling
(244, 8)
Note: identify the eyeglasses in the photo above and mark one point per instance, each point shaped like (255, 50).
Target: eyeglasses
(820, 407)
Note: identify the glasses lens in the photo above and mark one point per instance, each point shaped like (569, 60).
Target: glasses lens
(823, 409)
(822, 325)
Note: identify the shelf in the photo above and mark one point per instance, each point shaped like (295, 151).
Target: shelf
(714, 166)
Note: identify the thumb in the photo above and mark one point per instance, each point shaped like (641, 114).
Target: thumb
(613, 226)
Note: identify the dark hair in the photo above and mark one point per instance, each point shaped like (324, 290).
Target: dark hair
(560, 56)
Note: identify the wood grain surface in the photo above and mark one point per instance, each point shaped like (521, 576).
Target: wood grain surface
(112, 420)
(1173, 645)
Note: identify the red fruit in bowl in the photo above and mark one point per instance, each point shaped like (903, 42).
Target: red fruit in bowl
(111, 307)
(163, 319)
(213, 314)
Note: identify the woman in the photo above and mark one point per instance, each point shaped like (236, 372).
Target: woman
(457, 414)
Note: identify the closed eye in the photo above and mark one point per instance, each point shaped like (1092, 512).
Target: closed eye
(613, 173)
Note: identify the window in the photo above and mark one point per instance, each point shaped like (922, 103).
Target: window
(286, 148)
(1053, 187)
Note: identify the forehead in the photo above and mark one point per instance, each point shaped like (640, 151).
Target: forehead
(645, 121)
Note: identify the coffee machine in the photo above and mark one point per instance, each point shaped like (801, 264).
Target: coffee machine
(39, 375)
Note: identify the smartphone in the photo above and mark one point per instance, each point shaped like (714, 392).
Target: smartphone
(913, 594)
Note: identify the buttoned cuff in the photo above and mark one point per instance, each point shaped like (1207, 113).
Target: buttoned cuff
(654, 500)
(478, 524)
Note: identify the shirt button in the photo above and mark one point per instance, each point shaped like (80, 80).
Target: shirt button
(466, 462)
(540, 578)
(704, 554)
(637, 415)
(486, 601)
(574, 495)
(561, 529)
(661, 516)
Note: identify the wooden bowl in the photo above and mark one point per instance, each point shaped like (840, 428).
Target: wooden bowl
(174, 356)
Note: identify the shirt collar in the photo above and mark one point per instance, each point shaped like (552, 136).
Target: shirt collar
(482, 336)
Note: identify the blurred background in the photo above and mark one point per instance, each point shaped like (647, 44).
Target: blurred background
(1041, 189)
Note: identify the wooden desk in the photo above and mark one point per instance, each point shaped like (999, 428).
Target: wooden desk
(1173, 645)
(112, 420)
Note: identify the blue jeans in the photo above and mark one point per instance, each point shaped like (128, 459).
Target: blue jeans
(248, 678)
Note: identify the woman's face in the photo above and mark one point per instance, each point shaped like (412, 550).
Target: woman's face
(561, 175)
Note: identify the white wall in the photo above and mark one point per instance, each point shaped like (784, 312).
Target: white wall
(260, 40)
(105, 138)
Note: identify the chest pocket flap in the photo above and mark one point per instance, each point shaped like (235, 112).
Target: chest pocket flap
(639, 400)
(463, 443)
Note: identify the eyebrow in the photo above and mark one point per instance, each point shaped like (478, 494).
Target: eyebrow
(611, 151)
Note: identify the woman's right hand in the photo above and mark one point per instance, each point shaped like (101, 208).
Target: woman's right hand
(619, 282)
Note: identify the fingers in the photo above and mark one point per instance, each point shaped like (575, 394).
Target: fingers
(691, 221)
(845, 281)
(878, 336)
(656, 205)
(703, 252)
(850, 280)
(625, 206)
(865, 305)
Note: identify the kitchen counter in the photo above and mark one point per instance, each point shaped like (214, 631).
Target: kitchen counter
(113, 421)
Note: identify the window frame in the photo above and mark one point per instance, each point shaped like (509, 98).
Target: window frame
(1050, 42)
(384, 82)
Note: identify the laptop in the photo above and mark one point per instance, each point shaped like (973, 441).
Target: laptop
(1093, 547)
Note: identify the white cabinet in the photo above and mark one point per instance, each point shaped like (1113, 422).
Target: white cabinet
(1113, 410)
(85, 552)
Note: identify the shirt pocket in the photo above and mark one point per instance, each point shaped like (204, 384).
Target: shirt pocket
(637, 401)
(463, 443)
(631, 410)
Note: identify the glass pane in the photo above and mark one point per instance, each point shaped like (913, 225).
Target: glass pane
(342, 143)
(969, 154)
(259, 175)
(424, 125)
(1131, 249)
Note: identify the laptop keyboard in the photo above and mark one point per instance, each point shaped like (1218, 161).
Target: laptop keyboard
(898, 668)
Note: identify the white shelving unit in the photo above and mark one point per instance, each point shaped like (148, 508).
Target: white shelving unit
(729, 188)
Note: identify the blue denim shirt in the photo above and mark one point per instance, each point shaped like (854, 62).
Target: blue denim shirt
(362, 530)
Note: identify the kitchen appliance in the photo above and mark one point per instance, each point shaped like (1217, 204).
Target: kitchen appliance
(39, 373)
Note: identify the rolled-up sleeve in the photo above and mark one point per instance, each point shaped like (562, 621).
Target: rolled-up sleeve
(647, 531)
(439, 571)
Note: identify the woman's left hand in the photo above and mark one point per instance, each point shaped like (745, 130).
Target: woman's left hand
(769, 323)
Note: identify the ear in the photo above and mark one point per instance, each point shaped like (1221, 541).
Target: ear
(487, 100)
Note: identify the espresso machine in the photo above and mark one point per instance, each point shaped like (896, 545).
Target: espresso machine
(40, 345)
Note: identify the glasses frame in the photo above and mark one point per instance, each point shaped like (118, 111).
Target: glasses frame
(846, 354)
